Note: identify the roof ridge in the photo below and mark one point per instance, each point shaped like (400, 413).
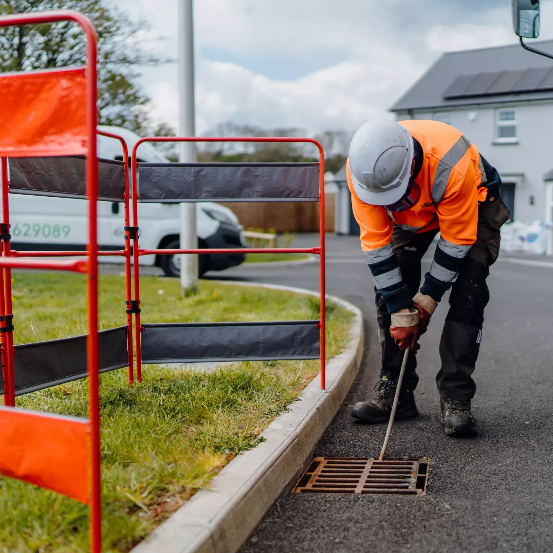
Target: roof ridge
(499, 47)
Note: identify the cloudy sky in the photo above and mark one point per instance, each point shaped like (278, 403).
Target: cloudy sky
(313, 64)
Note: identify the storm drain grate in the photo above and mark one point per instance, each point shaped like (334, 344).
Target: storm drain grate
(365, 476)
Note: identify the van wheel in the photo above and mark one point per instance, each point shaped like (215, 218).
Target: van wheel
(170, 264)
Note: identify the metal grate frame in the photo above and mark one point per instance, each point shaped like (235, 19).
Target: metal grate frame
(401, 476)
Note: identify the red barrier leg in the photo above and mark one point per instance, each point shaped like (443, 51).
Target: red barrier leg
(6, 291)
(3, 348)
(128, 290)
(8, 323)
(322, 258)
(93, 341)
(3, 344)
(136, 269)
(138, 328)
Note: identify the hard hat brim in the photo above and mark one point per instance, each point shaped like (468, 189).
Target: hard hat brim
(382, 198)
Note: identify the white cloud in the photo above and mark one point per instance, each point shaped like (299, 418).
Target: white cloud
(291, 27)
(165, 101)
(355, 57)
(449, 38)
(338, 97)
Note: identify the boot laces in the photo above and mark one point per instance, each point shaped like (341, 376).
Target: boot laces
(385, 388)
(456, 406)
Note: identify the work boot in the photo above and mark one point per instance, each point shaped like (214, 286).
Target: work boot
(379, 409)
(457, 418)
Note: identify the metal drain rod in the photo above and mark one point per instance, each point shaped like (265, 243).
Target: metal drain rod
(394, 406)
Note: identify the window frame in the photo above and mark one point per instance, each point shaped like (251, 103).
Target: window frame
(506, 123)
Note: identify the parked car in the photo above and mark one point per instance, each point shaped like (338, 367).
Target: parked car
(43, 223)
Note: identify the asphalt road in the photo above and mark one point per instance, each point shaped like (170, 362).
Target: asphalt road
(493, 493)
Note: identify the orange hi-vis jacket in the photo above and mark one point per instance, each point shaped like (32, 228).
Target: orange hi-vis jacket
(449, 180)
(452, 181)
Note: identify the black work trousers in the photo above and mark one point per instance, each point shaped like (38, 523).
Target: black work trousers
(462, 332)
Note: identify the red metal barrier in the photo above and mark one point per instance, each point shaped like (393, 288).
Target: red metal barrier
(44, 253)
(55, 113)
(126, 252)
(318, 251)
(5, 279)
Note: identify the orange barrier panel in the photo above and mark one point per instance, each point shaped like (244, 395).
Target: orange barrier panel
(43, 113)
(47, 450)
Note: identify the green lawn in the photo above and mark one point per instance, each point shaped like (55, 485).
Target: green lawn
(272, 257)
(167, 437)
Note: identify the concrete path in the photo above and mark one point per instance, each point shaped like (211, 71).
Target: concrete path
(494, 493)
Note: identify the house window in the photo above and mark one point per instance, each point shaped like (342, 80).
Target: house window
(506, 126)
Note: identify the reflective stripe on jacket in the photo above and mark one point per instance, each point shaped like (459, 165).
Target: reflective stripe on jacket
(451, 187)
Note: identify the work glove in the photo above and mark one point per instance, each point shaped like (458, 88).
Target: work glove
(405, 329)
(426, 306)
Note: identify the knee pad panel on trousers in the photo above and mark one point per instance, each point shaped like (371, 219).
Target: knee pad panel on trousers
(469, 294)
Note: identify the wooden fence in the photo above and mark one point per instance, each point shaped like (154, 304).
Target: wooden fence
(284, 216)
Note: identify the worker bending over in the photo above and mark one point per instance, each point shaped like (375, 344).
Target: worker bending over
(409, 180)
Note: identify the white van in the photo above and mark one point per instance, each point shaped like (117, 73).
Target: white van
(45, 223)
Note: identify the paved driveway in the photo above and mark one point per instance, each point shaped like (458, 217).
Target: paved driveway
(494, 493)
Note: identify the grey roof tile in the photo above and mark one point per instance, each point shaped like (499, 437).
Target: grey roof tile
(429, 91)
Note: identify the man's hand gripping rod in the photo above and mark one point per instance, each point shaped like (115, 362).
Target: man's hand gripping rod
(394, 406)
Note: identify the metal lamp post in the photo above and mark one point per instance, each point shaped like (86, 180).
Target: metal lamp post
(187, 154)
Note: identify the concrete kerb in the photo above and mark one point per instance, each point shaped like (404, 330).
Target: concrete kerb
(220, 520)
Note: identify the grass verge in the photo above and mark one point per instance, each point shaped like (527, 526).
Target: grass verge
(167, 437)
(274, 257)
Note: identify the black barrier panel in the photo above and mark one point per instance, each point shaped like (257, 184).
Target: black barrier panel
(65, 177)
(231, 182)
(46, 364)
(202, 342)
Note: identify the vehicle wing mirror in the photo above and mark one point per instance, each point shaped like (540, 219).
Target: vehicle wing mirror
(526, 18)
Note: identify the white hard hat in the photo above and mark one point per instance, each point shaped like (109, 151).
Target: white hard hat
(380, 158)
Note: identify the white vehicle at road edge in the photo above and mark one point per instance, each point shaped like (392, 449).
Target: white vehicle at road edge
(46, 223)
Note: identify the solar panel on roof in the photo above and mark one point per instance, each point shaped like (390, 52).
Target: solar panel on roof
(531, 79)
(547, 83)
(481, 83)
(505, 81)
(536, 79)
(458, 86)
